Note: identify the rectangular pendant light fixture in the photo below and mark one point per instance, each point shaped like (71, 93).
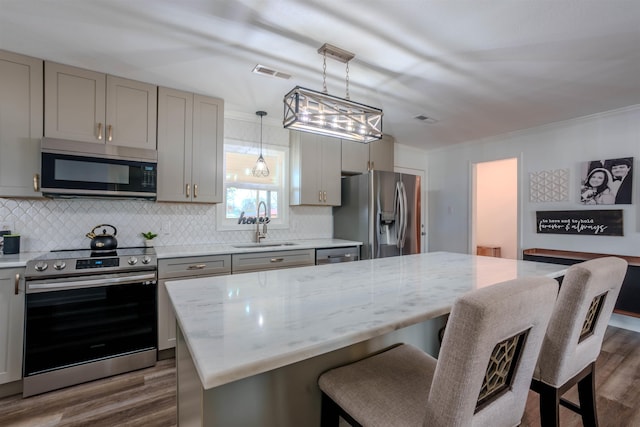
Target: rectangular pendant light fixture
(307, 110)
(316, 112)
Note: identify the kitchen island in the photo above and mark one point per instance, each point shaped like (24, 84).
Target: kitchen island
(251, 346)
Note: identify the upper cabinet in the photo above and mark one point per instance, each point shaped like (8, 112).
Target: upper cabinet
(190, 147)
(361, 158)
(88, 106)
(20, 125)
(315, 170)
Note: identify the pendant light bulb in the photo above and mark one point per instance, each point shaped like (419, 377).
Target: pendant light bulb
(260, 170)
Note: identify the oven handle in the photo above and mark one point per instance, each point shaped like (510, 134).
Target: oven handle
(74, 284)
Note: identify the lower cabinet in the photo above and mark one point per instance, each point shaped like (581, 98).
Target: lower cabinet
(182, 268)
(261, 261)
(12, 289)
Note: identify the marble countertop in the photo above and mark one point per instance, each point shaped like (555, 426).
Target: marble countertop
(177, 251)
(240, 247)
(237, 326)
(17, 260)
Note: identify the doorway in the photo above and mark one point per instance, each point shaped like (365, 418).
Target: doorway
(494, 204)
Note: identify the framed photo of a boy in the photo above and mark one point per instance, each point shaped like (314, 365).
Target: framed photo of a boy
(607, 182)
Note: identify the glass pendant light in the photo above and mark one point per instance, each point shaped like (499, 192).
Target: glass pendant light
(260, 170)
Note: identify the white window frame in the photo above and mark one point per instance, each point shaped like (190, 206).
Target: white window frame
(282, 222)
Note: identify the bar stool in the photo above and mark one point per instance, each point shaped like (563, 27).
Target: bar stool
(574, 337)
(481, 377)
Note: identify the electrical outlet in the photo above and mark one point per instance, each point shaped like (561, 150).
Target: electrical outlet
(165, 228)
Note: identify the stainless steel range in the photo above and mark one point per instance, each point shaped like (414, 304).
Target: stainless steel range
(88, 315)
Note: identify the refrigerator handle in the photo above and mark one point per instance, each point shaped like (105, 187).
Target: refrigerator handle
(404, 213)
(397, 213)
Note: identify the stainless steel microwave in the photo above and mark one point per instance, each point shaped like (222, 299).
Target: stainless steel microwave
(84, 169)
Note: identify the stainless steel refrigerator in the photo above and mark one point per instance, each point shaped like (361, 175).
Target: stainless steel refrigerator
(381, 210)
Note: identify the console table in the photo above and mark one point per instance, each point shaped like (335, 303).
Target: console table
(629, 299)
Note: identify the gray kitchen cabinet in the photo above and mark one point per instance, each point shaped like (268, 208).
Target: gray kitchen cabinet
(361, 158)
(272, 260)
(20, 125)
(190, 143)
(315, 170)
(89, 106)
(12, 289)
(182, 268)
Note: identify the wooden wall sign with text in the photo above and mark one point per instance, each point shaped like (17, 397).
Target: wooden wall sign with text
(587, 222)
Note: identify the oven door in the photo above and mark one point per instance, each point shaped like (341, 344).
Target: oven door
(69, 322)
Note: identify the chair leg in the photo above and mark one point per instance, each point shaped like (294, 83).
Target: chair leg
(549, 405)
(330, 412)
(587, 396)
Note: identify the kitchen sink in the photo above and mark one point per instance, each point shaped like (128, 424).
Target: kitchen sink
(263, 245)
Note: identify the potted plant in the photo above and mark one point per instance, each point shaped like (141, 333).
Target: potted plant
(148, 238)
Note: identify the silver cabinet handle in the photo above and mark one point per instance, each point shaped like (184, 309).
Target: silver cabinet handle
(195, 191)
(100, 131)
(17, 284)
(109, 133)
(320, 196)
(197, 266)
(277, 259)
(324, 196)
(36, 182)
(188, 190)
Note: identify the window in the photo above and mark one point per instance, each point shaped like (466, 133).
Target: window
(243, 191)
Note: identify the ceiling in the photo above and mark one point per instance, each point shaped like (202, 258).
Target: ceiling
(478, 67)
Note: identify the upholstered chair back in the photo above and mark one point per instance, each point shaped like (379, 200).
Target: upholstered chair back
(491, 343)
(576, 330)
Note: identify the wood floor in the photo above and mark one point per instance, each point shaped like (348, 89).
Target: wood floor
(147, 397)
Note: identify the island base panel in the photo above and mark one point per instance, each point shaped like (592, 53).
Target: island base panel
(287, 396)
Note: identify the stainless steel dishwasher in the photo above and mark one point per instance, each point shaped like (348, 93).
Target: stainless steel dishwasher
(334, 255)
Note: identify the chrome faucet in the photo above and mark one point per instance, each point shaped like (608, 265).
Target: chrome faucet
(261, 234)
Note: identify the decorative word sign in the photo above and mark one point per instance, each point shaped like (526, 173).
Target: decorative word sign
(596, 222)
(252, 219)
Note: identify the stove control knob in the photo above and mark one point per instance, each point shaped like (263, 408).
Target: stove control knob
(59, 265)
(132, 260)
(146, 259)
(41, 266)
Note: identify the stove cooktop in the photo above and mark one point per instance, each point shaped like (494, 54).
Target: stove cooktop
(66, 262)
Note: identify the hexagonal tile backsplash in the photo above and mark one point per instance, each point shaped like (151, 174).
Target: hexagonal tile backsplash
(62, 223)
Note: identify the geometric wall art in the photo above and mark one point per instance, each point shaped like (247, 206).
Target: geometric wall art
(549, 186)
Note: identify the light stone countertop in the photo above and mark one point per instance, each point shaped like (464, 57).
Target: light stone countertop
(248, 247)
(177, 251)
(17, 260)
(238, 326)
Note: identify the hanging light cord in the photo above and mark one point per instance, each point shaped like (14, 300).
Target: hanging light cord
(324, 72)
(347, 81)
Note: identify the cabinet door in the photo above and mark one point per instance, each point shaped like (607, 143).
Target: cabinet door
(331, 171)
(315, 170)
(20, 124)
(208, 119)
(11, 323)
(175, 118)
(182, 268)
(306, 173)
(131, 113)
(74, 103)
(381, 154)
(355, 157)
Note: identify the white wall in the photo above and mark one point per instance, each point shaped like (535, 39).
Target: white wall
(562, 145)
